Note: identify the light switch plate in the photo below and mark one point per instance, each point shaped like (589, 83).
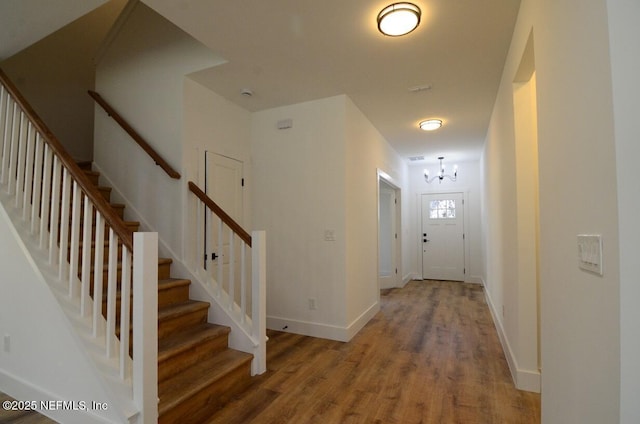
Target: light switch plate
(590, 252)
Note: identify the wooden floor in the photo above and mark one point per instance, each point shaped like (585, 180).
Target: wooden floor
(430, 356)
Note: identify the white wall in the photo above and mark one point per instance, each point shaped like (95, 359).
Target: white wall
(625, 62)
(142, 76)
(299, 193)
(44, 360)
(366, 152)
(468, 182)
(55, 73)
(320, 176)
(212, 123)
(579, 311)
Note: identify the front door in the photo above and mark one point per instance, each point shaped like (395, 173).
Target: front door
(442, 237)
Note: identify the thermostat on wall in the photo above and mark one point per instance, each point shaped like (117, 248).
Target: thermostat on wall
(590, 252)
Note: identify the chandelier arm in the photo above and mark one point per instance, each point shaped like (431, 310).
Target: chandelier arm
(440, 177)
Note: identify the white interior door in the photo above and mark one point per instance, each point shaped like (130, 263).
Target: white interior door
(223, 184)
(442, 236)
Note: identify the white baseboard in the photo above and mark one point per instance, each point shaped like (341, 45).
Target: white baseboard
(527, 380)
(320, 330)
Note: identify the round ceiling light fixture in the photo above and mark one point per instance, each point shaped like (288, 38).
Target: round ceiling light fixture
(399, 19)
(430, 124)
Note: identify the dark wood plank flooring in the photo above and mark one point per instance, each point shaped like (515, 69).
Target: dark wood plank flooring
(431, 355)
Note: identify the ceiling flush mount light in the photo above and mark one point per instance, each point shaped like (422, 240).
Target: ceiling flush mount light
(399, 19)
(430, 124)
(441, 175)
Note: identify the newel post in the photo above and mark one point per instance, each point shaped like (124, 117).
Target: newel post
(145, 326)
(259, 300)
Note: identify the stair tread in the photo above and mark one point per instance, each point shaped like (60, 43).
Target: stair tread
(177, 389)
(170, 283)
(181, 308)
(186, 340)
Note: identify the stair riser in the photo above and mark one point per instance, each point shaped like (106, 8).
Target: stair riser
(174, 295)
(204, 404)
(184, 360)
(177, 324)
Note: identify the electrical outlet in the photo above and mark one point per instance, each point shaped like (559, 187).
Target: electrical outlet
(312, 304)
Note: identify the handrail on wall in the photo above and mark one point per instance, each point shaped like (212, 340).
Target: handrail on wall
(134, 134)
(88, 188)
(230, 222)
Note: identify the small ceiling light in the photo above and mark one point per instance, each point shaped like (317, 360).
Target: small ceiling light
(430, 124)
(399, 19)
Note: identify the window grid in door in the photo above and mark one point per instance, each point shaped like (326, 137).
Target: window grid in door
(442, 209)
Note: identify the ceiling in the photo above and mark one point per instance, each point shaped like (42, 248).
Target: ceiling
(23, 22)
(290, 51)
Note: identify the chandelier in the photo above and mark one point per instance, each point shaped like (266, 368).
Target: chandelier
(441, 175)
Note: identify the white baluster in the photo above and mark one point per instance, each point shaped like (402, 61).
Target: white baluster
(3, 111)
(243, 282)
(28, 173)
(65, 217)
(232, 269)
(46, 197)
(98, 266)
(56, 185)
(13, 153)
(220, 268)
(7, 119)
(86, 258)
(125, 312)
(74, 254)
(210, 263)
(37, 183)
(20, 166)
(112, 292)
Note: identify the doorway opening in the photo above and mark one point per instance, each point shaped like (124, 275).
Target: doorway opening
(388, 234)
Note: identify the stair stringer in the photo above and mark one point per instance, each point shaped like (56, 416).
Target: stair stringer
(55, 357)
(239, 338)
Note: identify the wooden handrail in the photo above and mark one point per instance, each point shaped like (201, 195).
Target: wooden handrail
(134, 134)
(231, 223)
(90, 190)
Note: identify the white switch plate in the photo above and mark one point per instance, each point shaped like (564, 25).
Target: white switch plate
(590, 252)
